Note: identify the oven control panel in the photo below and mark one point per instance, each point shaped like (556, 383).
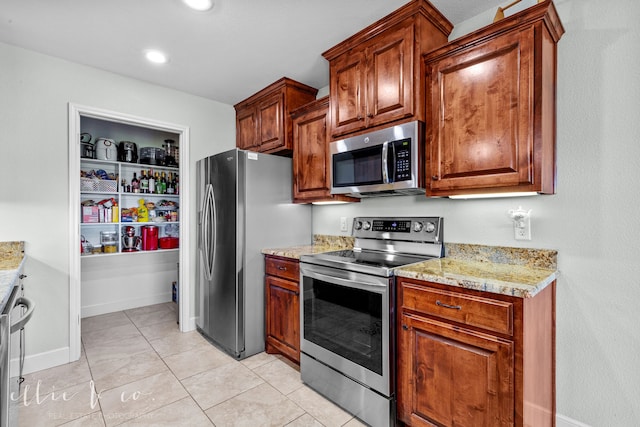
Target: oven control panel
(411, 228)
(391, 225)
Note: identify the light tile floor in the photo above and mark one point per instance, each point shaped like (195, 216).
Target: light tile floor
(138, 369)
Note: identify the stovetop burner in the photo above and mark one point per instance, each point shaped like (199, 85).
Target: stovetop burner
(383, 244)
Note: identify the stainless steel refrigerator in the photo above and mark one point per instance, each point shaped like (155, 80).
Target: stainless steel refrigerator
(244, 206)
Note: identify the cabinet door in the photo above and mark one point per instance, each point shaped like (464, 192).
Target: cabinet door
(347, 87)
(246, 128)
(481, 116)
(271, 122)
(449, 376)
(311, 156)
(283, 317)
(390, 76)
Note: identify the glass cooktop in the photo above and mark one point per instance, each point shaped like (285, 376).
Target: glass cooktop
(378, 263)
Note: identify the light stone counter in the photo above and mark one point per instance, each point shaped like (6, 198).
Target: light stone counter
(11, 261)
(321, 243)
(517, 272)
(509, 271)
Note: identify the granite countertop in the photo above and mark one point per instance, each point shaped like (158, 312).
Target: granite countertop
(321, 243)
(503, 270)
(11, 261)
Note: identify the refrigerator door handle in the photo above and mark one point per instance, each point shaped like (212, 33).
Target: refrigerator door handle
(208, 231)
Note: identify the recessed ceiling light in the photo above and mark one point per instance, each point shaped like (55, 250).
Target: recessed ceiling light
(199, 5)
(155, 56)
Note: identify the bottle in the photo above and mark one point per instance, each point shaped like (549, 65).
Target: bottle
(159, 183)
(144, 182)
(143, 212)
(163, 183)
(135, 184)
(169, 183)
(115, 215)
(152, 182)
(176, 185)
(123, 185)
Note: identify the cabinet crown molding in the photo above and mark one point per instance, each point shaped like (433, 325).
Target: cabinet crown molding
(412, 8)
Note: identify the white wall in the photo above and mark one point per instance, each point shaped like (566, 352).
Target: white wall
(592, 220)
(35, 91)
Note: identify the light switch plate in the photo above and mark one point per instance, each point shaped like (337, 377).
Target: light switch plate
(344, 226)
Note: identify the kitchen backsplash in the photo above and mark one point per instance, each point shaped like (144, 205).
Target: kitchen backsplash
(535, 258)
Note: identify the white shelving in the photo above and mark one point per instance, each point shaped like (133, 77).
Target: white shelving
(90, 231)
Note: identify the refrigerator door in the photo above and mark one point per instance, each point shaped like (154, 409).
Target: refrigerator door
(220, 314)
(244, 206)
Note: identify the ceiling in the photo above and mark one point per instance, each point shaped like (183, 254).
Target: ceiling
(226, 54)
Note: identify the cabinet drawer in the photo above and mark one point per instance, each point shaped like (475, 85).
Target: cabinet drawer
(281, 267)
(485, 313)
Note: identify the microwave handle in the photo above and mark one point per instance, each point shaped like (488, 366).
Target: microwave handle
(387, 174)
(385, 162)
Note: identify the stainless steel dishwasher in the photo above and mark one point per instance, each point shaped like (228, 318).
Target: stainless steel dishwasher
(16, 304)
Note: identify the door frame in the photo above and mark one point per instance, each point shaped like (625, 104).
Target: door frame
(76, 112)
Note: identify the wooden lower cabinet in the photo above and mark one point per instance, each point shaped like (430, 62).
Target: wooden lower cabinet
(282, 307)
(451, 372)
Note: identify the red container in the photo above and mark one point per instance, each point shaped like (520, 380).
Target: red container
(149, 237)
(168, 242)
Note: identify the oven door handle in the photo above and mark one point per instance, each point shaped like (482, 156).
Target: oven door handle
(339, 277)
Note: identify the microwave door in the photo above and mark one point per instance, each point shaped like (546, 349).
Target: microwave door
(358, 167)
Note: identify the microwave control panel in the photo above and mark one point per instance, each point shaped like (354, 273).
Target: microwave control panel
(402, 159)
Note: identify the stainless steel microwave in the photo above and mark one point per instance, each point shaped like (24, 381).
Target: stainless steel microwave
(380, 163)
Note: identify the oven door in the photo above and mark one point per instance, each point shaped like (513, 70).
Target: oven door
(347, 323)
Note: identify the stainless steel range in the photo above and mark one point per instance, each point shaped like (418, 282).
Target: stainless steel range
(348, 313)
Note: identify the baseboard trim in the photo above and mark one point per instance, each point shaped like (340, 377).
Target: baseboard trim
(564, 421)
(40, 361)
(111, 307)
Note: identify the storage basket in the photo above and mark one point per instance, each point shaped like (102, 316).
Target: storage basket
(99, 185)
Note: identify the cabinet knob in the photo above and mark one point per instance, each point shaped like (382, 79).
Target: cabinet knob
(360, 117)
(435, 177)
(405, 327)
(370, 115)
(281, 268)
(22, 276)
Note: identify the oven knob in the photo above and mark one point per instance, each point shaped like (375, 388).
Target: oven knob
(366, 225)
(357, 225)
(417, 227)
(430, 227)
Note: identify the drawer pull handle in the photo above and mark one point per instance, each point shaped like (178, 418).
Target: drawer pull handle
(454, 307)
(281, 268)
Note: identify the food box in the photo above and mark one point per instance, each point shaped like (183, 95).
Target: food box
(90, 214)
(168, 242)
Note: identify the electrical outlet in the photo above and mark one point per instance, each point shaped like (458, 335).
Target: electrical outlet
(522, 228)
(344, 226)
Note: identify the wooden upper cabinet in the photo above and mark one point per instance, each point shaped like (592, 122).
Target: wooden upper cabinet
(263, 121)
(311, 157)
(374, 75)
(491, 124)
(246, 129)
(390, 76)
